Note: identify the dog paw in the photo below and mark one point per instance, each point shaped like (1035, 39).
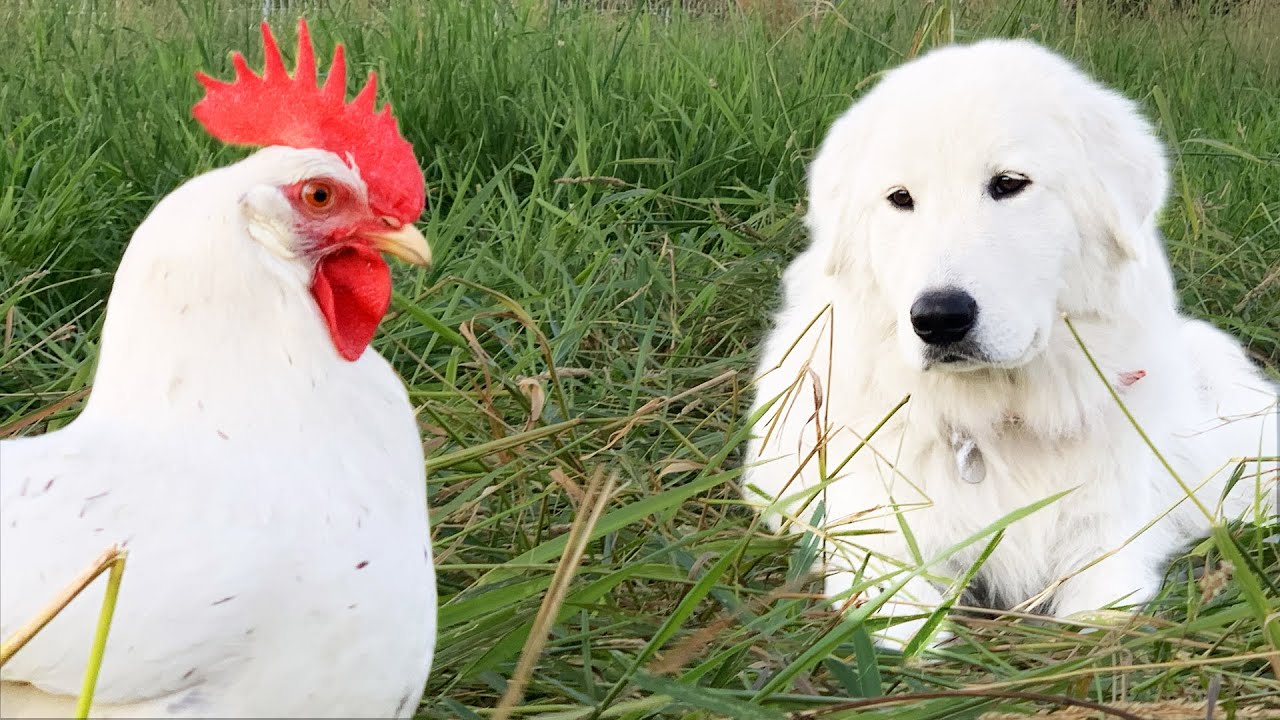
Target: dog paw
(1094, 621)
(898, 637)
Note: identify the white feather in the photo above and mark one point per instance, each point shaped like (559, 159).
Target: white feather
(270, 494)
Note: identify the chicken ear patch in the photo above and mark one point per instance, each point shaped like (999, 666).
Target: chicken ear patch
(352, 287)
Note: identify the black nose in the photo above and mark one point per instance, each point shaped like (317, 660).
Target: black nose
(945, 316)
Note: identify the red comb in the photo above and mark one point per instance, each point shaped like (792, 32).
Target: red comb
(276, 109)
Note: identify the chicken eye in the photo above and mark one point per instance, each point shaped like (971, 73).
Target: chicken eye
(902, 199)
(1006, 185)
(317, 194)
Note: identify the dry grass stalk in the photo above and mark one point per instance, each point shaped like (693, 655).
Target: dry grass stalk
(594, 502)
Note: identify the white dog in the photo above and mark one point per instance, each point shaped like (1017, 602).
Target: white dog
(959, 211)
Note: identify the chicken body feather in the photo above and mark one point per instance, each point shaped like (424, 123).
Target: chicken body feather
(271, 494)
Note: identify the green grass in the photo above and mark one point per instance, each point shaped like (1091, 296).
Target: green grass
(608, 325)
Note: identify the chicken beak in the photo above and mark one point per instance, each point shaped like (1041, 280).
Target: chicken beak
(404, 242)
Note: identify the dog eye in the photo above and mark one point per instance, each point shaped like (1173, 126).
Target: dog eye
(901, 199)
(1006, 185)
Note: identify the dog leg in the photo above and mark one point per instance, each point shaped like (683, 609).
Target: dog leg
(1128, 577)
(916, 600)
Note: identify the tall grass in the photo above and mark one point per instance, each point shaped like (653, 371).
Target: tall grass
(613, 197)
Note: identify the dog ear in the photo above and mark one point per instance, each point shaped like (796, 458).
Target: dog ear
(832, 217)
(840, 248)
(1128, 175)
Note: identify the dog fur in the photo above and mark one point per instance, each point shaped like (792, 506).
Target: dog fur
(1025, 415)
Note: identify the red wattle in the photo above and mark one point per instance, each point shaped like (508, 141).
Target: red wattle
(352, 287)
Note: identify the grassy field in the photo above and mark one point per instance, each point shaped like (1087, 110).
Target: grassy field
(613, 198)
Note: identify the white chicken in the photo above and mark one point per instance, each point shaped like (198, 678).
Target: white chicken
(262, 467)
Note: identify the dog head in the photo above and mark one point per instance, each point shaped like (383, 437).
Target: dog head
(983, 190)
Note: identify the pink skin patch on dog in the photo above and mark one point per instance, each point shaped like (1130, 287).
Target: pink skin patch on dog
(1129, 378)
